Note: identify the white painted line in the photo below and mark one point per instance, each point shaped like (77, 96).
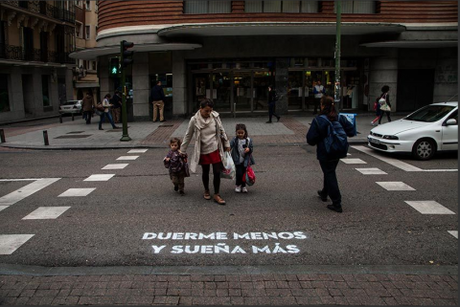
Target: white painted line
(99, 177)
(10, 243)
(31, 188)
(115, 166)
(77, 192)
(3, 207)
(137, 151)
(371, 171)
(128, 158)
(395, 186)
(429, 207)
(348, 154)
(454, 233)
(399, 164)
(25, 179)
(353, 161)
(46, 213)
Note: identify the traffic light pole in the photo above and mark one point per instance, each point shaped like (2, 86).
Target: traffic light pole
(124, 108)
(338, 101)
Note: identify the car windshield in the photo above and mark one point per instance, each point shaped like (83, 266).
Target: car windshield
(430, 113)
(70, 102)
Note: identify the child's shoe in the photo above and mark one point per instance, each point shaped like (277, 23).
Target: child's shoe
(176, 187)
(244, 190)
(182, 193)
(238, 189)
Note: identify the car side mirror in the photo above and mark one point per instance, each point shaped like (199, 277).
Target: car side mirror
(451, 122)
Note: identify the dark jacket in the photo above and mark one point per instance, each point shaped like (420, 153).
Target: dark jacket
(272, 97)
(318, 132)
(236, 154)
(157, 93)
(176, 162)
(87, 103)
(116, 101)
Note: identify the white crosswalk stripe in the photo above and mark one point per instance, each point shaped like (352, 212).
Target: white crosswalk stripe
(31, 188)
(395, 186)
(371, 171)
(77, 192)
(127, 158)
(454, 233)
(429, 207)
(46, 213)
(99, 177)
(137, 151)
(10, 243)
(115, 166)
(353, 161)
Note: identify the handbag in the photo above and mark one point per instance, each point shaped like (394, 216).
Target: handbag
(100, 107)
(249, 177)
(228, 169)
(385, 107)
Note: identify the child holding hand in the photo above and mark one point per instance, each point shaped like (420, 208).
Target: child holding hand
(241, 151)
(175, 161)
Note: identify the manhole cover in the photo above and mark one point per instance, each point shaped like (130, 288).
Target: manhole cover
(75, 132)
(162, 126)
(115, 130)
(81, 136)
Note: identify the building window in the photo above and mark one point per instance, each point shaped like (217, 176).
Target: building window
(87, 32)
(286, 6)
(4, 98)
(357, 7)
(45, 92)
(88, 5)
(93, 65)
(24, 4)
(207, 7)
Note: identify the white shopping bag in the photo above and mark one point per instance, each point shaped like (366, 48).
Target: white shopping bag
(228, 170)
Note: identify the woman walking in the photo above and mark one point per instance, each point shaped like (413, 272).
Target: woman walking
(210, 143)
(106, 113)
(386, 96)
(316, 134)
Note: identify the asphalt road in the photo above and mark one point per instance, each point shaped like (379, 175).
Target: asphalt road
(281, 221)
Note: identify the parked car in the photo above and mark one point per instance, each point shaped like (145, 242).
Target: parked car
(70, 106)
(424, 132)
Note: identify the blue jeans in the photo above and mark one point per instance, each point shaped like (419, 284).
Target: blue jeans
(104, 114)
(331, 185)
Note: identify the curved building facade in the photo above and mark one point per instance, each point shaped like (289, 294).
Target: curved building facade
(231, 51)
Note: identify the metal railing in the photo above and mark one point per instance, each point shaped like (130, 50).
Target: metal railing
(39, 55)
(46, 9)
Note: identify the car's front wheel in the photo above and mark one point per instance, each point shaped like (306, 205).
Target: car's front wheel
(424, 149)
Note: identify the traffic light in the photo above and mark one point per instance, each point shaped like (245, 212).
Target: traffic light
(126, 55)
(114, 67)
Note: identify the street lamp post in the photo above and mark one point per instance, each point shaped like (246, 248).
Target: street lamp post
(338, 101)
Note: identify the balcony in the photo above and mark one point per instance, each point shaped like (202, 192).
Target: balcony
(43, 8)
(10, 52)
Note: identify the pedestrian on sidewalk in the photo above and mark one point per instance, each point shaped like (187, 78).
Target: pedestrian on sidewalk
(116, 108)
(385, 96)
(319, 91)
(87, 107)
(241, 150)
(106, 113)
(157, 97)
(175, 161)
(378, 112)
(316, 135)
(272, 98)
(210, 143)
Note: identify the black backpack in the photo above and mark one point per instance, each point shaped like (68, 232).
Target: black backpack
(336, 141)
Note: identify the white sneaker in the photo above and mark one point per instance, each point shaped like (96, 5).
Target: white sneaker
(238, 189)
(244, 190)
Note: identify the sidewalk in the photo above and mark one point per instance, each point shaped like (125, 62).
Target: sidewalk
(291, 130)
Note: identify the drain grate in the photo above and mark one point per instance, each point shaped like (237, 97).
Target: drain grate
(162, 126)
(75, 132)
(81, 136)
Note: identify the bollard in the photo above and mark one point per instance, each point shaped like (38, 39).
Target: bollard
(45, 137)
(60, 118)
(2, 136)
(73, 116)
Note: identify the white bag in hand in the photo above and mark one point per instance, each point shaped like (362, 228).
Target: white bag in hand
(228, 170)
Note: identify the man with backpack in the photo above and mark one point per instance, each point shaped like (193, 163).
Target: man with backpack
(329, 132)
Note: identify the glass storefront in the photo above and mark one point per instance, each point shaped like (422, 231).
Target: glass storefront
(242, 86)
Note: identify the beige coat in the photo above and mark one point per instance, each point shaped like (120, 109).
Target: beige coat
(221, 137)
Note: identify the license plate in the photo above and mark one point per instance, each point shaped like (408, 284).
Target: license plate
(374, 141)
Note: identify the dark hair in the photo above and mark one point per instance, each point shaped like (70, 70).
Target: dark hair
(175, 140)
(158, 81)
(328, 107)
(107, 96)
(242, 127)
(207, 103)
(385, 88)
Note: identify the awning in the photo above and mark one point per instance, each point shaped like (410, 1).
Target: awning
(413, 44)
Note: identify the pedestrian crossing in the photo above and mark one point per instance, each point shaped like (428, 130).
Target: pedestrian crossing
(9, 243)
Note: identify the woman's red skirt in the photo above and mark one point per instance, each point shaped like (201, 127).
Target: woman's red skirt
(210, 158)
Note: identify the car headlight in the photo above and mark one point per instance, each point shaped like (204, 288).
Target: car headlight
(390, 137)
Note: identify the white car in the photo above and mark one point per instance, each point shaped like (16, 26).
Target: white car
(70, 106)
(424, 132)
